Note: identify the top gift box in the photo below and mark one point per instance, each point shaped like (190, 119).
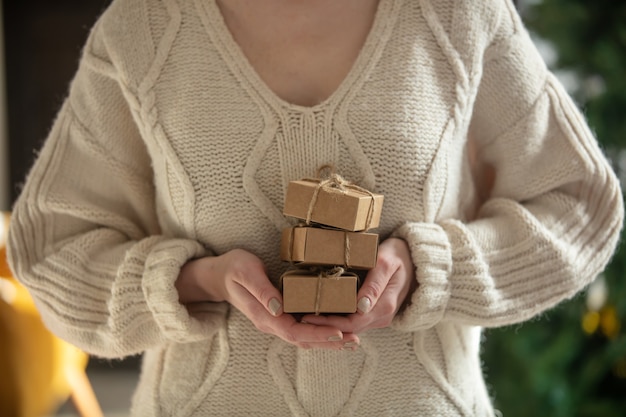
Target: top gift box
(334, 204)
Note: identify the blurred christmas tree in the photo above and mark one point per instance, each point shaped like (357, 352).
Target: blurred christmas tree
(572, 360)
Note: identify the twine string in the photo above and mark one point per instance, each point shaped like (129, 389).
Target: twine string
(334, 273)
(318, 294)
(346, 249)
(337, 182)
(290, 244)
(346, 246)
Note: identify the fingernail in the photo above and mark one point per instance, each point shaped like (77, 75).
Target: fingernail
(274, 306)
(335, 338)
(364, 305)
(350, 346)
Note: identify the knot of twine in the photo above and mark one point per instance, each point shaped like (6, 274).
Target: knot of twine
(336, 182)
(333, 273)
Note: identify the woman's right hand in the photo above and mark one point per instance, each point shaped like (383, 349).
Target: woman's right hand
(239, 278)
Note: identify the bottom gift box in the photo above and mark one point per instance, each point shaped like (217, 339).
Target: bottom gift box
(322, 292)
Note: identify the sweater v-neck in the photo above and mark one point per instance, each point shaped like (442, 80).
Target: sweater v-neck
(236, 59)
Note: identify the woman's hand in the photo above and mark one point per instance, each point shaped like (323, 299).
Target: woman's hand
(385, 290)
(239, 278)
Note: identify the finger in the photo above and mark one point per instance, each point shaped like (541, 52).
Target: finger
(349, 342)
(259, 286)
(285, 326)
(380, 315)
(375, 284)
(353, 323)
(292, 331)
(393, 255)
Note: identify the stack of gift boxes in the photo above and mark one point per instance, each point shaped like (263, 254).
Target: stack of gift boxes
(329, 246)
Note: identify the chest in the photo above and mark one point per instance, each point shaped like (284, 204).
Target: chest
(230, 146)
(301, 50)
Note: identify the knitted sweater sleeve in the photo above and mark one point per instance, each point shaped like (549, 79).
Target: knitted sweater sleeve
(84, 235)
(553, 216)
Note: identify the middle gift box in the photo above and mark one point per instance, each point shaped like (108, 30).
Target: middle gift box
(318, 246)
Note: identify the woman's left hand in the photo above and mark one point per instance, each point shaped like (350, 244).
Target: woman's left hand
(384, 292)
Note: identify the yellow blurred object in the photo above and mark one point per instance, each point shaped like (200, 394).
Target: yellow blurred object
(591, 321)
(609, 322)
(38, 370)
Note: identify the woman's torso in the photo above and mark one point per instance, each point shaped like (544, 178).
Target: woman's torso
(224, 146)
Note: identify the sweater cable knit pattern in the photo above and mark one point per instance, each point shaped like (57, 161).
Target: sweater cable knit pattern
(301, 133)
(170, 147)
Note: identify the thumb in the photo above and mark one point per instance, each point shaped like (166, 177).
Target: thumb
(375, 283)
(260, 287)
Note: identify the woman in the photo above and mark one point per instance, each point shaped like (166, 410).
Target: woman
(151, 220)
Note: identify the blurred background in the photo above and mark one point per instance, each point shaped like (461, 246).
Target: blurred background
(570, 361)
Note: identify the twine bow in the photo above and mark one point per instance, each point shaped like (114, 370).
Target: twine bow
(334, 273)
(336, 183)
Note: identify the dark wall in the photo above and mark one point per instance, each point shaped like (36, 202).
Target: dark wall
(43, 41)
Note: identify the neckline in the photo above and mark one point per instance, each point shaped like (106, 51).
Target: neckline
(236, 59)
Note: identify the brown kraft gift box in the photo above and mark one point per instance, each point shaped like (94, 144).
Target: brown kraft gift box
(348, 208)
(336, 294)
(317, 246)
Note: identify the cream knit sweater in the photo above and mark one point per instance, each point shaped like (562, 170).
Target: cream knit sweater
(170, 147)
